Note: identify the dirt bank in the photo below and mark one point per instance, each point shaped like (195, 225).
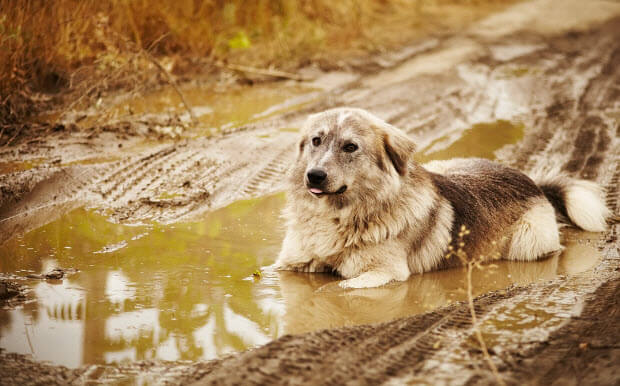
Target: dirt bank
(560, 82)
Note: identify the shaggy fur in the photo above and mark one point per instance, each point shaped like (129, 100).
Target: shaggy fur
(359, 205)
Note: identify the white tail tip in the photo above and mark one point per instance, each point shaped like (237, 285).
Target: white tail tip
(585, 205)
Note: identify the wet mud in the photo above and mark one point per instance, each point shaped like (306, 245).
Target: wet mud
(547, 81)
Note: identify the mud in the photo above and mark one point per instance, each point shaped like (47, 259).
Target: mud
(9, 290)
(550, 76)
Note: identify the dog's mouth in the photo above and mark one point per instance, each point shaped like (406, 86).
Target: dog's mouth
(319, 192)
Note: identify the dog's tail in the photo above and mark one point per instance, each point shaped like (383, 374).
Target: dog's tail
(579, 201)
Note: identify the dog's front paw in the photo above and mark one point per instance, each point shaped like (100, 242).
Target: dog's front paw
(289, 267)
(351, 283)
(307, 266)
(358, 282)
(367, 280)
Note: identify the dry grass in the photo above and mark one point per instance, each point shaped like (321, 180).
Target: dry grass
(472, 263)
(52, 46)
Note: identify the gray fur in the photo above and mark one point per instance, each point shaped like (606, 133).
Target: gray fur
(396, 217)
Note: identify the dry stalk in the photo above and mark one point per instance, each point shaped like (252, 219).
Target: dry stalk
(98, 85)
(472, 263)
(171, 81)
(474, 319)
(17, 132)
(147, 55)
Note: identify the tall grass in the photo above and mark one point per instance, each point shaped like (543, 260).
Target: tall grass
(44, 43)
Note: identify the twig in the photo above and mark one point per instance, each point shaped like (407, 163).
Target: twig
(261, 71)
(18, 131)
(474, 319)
(92, 88)
(156, 42)
(146, 53)
(28, 336)
(471, 263)
(171, 81)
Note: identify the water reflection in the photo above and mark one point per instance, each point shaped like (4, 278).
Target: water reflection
(186, 291)
(315, 301)
(142, 292)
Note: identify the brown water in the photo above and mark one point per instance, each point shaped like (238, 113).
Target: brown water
(11, 167)
(214, 111)
(187, 291)
(183, 291)
(480, 140)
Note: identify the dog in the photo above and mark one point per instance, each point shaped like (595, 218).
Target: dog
(359, 205)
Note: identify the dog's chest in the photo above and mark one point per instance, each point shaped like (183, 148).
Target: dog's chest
(321, 236)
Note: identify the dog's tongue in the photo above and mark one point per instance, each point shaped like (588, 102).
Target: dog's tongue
(316, 191)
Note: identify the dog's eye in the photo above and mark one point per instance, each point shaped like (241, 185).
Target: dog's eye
(349, 147)
(316, 141)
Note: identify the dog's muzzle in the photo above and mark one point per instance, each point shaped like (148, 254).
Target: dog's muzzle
(315, 179)
(320, 192)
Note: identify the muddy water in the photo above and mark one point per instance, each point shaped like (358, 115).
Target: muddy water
(176, 292)
(480, 140)
(10, 167)
(188, 291)
(213, 111)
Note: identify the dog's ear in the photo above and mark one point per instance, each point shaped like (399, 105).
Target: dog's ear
(398, 147)
(300, 148)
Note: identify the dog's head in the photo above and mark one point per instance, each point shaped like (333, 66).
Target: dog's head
(347, 153)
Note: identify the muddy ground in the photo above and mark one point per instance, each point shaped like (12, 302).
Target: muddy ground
(553, 66)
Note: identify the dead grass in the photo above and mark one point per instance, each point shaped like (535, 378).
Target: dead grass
(53, 46)
(471, 263)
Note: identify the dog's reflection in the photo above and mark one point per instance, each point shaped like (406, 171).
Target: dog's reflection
(315, 301)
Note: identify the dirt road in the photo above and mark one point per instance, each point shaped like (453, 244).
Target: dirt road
(555, 67)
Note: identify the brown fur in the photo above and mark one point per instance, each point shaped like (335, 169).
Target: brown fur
(379, 216)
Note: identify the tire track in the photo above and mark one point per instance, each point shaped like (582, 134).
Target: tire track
(270, 177)
(438, 347)
(112, 182)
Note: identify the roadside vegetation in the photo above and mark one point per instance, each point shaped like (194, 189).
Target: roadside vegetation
(72, 51)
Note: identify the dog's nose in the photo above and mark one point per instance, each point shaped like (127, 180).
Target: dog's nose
(316, 176)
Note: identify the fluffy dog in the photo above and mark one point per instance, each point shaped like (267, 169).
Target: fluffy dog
(359, 205)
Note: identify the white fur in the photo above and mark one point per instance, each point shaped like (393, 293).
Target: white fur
(343, 117)
(443, 166)
(314, 241)
(536, 233)
(384, 267)
(433, 247)
(585, 204)
(584, 200)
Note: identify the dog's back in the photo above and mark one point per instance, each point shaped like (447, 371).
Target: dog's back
(507, 213)
(488, 199)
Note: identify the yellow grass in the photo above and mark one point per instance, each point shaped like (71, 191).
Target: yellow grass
(45, 43)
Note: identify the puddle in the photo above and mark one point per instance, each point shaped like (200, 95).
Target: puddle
(190, 291)
(187, 291)
(183, 291)
(481, 140)
(18, 166)
(213, 110)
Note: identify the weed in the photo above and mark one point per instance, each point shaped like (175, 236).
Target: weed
(471, 263)
(90, 46)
